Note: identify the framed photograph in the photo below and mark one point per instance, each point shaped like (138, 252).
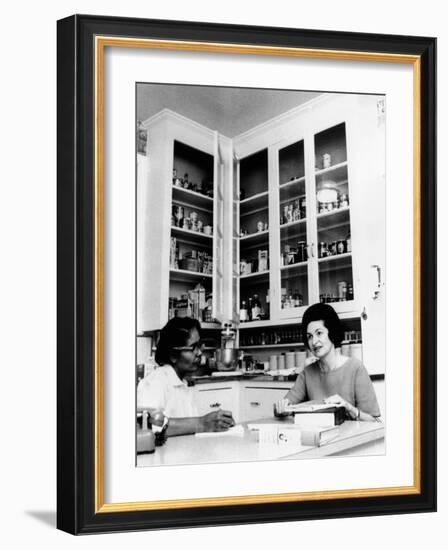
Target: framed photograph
(246, 274)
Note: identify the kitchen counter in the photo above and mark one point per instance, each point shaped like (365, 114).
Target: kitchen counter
(360, 438)
(256, 377)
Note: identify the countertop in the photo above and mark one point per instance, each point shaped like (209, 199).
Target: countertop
(256, 377)
(364, 437)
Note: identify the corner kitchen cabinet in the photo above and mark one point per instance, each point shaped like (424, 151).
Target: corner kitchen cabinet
(312, 188)
(297, 206)
(183, 184)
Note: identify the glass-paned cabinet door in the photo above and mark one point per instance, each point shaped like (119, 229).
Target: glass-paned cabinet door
(334, 249)
(293, 233)
(254, 254)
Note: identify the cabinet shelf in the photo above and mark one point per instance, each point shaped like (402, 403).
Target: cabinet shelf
(255, 238)
(191, 237)
(292, 182)
(253, 204)
(333, 219)
(291, 345)
(336, 171)
(338, 261)
(288, 270)
(291, 190)
(192, 198)
(262, 275)
(292, 229)
(184, 275)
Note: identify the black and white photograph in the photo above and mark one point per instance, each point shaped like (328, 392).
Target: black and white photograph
(260, 274)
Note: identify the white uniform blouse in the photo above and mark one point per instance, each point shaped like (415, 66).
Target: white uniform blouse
(162, 389)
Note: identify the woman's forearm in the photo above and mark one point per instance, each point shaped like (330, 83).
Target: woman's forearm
(184, 426)
(366, 417)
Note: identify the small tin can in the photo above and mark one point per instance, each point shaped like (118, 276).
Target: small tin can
(326, 160)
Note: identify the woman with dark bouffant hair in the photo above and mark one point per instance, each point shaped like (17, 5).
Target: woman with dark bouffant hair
(332, 377)
(166, 389)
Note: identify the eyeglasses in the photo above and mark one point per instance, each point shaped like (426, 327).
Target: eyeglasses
(198, 346)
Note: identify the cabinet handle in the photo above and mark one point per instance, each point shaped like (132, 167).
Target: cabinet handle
(215, 405)
(254, 404)
(376, 292)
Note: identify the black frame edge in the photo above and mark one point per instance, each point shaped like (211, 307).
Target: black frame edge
(66, 519)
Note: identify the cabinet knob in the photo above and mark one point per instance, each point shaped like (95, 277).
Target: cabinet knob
(215, 405)
(254, 404)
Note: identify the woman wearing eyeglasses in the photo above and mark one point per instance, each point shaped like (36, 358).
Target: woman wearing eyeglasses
(178, 353)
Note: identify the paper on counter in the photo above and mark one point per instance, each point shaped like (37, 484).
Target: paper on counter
(235, 431)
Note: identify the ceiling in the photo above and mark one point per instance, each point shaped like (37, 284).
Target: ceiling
(230, 111)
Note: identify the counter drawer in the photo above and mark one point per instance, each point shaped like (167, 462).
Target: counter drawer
(213, 398)
(258, 402)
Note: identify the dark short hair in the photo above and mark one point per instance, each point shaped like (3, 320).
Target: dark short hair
(175, 333)
(329, 317)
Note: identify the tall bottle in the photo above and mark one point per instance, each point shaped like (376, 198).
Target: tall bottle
(244, 317)
(249, 309)
(256, 308)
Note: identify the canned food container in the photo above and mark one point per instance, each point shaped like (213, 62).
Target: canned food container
(280, 362)
(290, 360)
(273, 362)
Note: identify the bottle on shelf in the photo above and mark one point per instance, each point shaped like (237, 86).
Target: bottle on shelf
(244, 317)
(256, 308)
(249, 309)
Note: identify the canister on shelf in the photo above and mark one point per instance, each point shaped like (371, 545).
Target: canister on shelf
(326, 160)
(344, 201)
(280, 362)
(273, 362)
(290, 360)
(260, 226)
